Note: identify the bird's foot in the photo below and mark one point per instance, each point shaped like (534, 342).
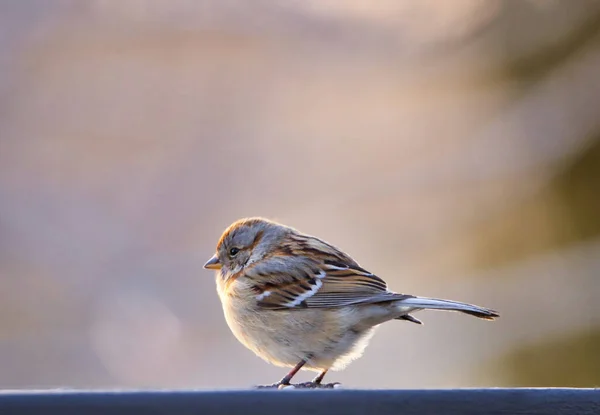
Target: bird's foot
(315, 385)
(304, 385)
(277, 385)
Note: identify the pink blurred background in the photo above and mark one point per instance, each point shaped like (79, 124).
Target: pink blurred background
(452, 148)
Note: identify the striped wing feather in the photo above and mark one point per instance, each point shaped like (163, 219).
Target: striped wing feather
(309, 273)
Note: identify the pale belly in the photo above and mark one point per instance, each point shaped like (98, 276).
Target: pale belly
(326, 338)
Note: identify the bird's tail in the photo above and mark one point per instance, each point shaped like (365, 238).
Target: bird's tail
(437, 304)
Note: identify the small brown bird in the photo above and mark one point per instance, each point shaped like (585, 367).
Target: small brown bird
(297, 301)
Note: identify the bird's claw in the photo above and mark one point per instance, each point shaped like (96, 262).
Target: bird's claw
(314, 385)
(277, 385)
(304, 385)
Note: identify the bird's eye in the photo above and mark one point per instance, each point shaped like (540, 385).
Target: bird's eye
(233, 251)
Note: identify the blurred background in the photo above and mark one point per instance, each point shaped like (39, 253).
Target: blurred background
(453, 148)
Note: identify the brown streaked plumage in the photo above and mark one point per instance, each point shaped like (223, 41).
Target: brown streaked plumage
(297, 301)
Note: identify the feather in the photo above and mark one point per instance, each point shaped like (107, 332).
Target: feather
(410, 318)
(308, 272)
(438, 304)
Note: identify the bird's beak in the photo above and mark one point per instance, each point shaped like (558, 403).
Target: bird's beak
(213, 263)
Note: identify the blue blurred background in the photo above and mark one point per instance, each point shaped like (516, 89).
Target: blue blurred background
(453, 148)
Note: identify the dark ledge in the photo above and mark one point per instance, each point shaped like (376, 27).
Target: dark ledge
(305, 402)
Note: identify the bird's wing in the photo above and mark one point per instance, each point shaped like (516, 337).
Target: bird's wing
(315, 274)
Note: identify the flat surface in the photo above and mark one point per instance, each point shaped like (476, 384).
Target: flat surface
(348, 401)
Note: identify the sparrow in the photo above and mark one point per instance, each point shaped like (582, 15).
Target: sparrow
(299, 302)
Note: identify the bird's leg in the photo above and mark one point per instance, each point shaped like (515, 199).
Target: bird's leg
(319, 377)
(286, 379)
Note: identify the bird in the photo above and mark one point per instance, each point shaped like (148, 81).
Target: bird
(299, 302)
